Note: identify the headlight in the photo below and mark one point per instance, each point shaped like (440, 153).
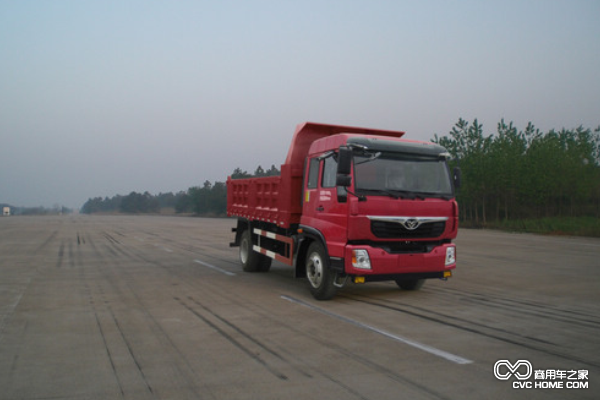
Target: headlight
(360, 259)
(450, 255)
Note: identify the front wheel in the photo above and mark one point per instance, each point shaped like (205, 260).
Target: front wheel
(320, 277)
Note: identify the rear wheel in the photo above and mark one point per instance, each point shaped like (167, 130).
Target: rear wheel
(320, 277)
(250, 259)
(410, 284)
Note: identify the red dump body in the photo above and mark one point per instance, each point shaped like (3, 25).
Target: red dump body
(278, 199)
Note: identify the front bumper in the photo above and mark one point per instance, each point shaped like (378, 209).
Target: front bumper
(384, 263)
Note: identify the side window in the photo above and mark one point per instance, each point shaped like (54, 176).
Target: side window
(313, 173)
(329, 173)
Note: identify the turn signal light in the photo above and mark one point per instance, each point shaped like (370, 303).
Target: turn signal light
(450, 255)
(360, 259)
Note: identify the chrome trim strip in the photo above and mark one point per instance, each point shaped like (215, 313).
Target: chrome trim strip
(410, 223)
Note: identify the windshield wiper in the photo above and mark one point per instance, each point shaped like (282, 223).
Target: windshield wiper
(397, 194)
(424, 195)
(388, 192)
(363, 151)
(442, 196)
(407, 194)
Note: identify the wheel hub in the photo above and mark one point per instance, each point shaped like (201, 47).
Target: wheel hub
(314, 270)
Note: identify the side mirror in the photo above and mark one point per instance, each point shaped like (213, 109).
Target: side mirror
(343, 180)
(457, 177)
(344, 161)
(344, 167)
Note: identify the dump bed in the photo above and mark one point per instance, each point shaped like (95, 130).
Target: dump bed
(278, 199)
(274, 199)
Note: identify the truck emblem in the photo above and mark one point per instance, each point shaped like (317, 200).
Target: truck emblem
(411, 224)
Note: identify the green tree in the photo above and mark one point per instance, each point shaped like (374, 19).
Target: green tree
(505, 157)
(469, 148)
(135, 203)
(259, 171)
(183, 203)
(516, 174)
(238, 173)
(218, 198)
(273, 171)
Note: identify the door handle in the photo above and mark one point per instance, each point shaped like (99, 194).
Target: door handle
(320, 208)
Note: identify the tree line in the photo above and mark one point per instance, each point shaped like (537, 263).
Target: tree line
(208, 199)
(507, 175)
(515, 174)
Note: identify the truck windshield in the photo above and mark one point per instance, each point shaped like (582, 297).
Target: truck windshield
(402, 175)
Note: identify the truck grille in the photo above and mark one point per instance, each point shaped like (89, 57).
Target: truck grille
(394, 230)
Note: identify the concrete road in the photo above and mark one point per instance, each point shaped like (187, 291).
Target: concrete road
(126, 307)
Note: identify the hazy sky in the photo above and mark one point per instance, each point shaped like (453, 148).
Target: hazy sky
(99, 98)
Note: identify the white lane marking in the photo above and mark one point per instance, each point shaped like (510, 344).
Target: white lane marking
(12, 307)
(163, 248)
(221, 270)
(429, 349)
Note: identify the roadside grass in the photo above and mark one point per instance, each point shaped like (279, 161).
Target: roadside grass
(569, 226)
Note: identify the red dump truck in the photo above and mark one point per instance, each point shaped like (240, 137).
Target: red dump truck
(350, 203)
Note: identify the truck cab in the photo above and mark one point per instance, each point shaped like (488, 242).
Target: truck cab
(388, 214)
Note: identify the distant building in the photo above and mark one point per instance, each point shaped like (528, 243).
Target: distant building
(6, 211)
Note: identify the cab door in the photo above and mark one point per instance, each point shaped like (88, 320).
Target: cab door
(321, 209)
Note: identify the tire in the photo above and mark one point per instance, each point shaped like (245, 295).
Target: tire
(251, 260)
(320, 277)
(410, 284)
